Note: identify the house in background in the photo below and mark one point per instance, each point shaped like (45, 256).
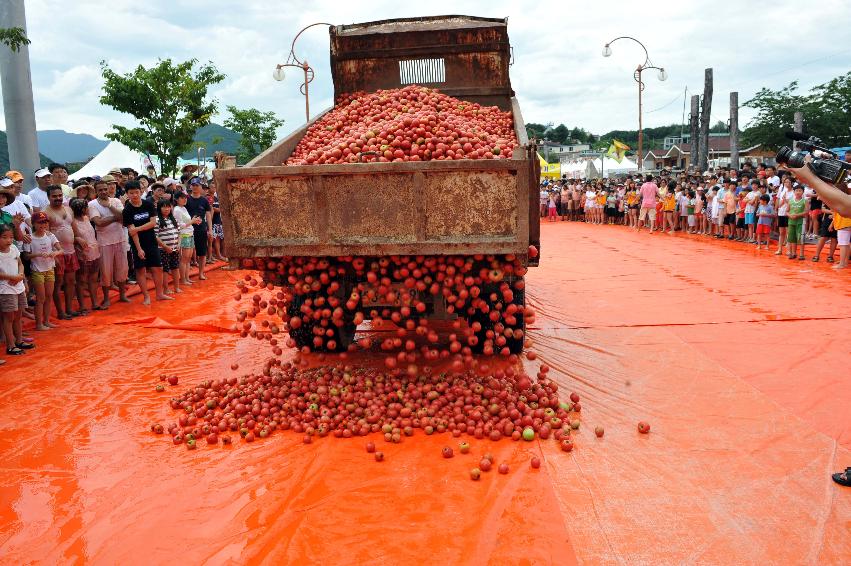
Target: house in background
(569, 150)
(676, 153)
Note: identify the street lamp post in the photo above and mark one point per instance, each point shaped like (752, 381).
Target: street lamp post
(293, 61)
(607, 51)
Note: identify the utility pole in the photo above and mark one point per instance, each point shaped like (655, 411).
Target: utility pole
(734, 130)
(705, 112)
(799, 127)
(693, 137)
(16, 80)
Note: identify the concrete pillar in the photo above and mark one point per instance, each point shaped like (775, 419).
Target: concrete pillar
(18, 107)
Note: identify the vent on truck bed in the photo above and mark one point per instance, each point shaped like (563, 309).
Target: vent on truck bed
(422, 71)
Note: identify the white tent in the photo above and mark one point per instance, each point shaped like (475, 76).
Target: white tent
(612, 167)
(116, 154)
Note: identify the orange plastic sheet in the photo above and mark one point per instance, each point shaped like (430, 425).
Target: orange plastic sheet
(738, 360)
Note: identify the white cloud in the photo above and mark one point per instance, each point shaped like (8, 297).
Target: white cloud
(559, 74)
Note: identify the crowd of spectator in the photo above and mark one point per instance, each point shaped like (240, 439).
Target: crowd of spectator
(70, 248)
(760, 205)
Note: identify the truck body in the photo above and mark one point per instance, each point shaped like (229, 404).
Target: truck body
(371, 209)
(482, 208)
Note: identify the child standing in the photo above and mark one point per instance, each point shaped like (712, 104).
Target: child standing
(670, 206)
(88, 253)
(765, 218)
(552, 209)
(842, 225)
(185, 224)
(168, 238)
(691, 220)
(797, 212)
(44, 248)
(13, 298)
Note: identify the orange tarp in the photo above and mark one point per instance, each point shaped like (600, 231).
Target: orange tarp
(739, 361)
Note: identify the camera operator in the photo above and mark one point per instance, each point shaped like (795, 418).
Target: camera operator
(835, 198)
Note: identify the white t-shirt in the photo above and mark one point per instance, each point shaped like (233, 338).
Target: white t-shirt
(183, 217)
(783, 207)
(40, 245)
(9, 266)
(111, 233)
(15, 208)
(590, 199)
(25, 199)
(774, 181)
(18, 206)
(39, 198)
(750, 205)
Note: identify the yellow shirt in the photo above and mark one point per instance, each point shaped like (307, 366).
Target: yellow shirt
(840, 222)
(670, 203)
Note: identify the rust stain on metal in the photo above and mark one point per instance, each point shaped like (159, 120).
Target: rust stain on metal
(371, 208)
(475, 53)
(272, 208)
(470, 203)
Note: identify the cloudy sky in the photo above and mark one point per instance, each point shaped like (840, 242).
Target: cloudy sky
(559, 73)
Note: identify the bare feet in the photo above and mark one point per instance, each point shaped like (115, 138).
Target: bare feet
(202, 277)
(146, 301)
(51, 325)
(163, 298)
(178, 290)
(40, 327)
(187, 282)
(124, 300)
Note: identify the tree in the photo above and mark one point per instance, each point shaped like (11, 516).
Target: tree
(14, 38)
(258, 130)
(535, 131)
(720, 127)
(825, 110)
(560, 134)
(170, 102)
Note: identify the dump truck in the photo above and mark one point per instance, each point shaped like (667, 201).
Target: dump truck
(463, 207)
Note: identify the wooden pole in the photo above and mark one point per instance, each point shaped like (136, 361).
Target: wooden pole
(799, 127)
(734, 130)
(693, 137)
(705, 112)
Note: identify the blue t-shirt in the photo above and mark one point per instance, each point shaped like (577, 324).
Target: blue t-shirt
(765, 209)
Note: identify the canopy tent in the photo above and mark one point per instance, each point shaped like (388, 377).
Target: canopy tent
(590, 168)
(115, 154)
(549, 170)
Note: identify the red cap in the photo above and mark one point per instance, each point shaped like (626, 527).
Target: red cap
(40, 217)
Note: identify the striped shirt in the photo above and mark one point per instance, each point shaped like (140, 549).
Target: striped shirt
(167, 231)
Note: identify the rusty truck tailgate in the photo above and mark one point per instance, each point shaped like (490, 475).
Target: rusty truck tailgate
(445, 207)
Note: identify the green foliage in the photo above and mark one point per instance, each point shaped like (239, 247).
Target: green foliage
(825, 110)
(720, 127)
(170, 102)
(258, 130)
(560, 134)
(215, 138)
(534, 130)
(14, 38)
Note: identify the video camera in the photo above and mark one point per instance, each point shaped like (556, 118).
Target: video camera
(825, 164)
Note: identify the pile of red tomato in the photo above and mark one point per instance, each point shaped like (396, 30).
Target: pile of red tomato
(345, 401)
(414, 123)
